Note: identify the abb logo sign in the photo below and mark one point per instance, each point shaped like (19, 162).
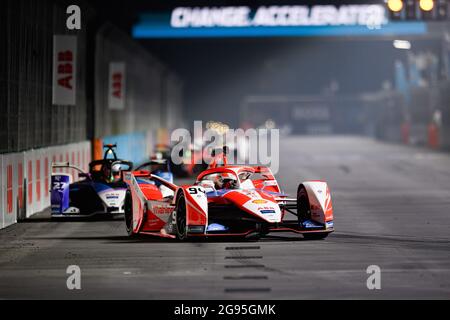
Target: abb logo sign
(20, 185)
(64, 70)
(117, 86)
(9, 189)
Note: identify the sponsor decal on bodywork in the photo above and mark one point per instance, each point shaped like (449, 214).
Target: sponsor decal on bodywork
(113, 197)
(259, 201)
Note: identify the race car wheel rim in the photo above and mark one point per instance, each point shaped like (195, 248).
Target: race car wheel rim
(181, 219)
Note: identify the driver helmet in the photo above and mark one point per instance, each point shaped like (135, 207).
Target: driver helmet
(225, 181)
(115, 171)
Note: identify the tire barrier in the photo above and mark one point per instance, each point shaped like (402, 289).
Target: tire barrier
(25, 178)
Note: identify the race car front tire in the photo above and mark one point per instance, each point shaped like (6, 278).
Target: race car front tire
(128, 215)
(181, 227)
(303, 207)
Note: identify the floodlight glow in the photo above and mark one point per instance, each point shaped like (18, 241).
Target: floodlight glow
(402, 44)
(426, 5)
(395, 5)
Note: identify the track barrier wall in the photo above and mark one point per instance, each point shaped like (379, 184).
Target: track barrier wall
(25, 178)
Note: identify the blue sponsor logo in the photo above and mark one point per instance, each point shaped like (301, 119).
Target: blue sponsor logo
(329, 224)
(217, 193)
(267, 211)
(309, 224)
(216, 227)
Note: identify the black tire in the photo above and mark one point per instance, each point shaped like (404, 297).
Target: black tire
(315, 236)
(255, 236)
(262, 231)
(303, 206)
(181, 218)
(128, 214)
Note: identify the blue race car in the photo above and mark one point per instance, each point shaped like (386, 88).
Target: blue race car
(100, 191)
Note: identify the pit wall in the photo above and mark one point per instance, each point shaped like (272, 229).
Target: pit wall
(25, 178)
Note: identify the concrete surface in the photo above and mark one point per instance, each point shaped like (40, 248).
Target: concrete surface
(392, 209)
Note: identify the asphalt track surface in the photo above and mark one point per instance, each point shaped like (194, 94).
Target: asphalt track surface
(392, 209)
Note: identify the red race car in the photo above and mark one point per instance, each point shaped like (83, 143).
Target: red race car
(225, 200)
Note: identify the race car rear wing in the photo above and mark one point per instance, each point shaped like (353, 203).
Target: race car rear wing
(61, 165)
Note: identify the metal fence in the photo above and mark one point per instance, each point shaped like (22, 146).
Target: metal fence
(28, 118)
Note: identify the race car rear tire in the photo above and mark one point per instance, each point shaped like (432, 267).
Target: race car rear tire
(181, 227)
(128, 213)
(315, 236)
